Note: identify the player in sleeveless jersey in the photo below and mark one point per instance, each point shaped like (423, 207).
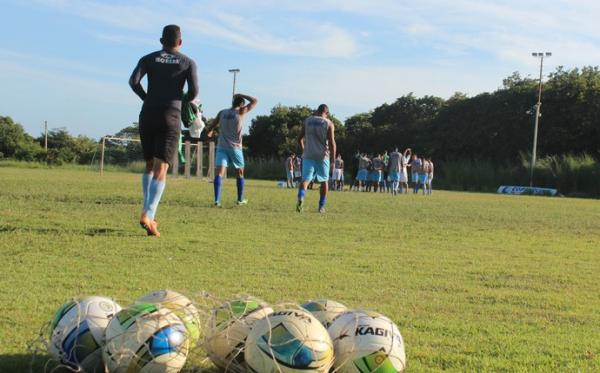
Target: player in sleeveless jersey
(229, 146)
(317, 141)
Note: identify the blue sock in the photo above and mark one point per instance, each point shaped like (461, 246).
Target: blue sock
(322, 201)
(240, 188)
(146, 178)
(155, 192)
(301, 193)
(217, 185)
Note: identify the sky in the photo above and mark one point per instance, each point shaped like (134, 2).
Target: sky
(69, 61)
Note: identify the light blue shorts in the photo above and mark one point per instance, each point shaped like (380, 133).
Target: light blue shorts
(227, 156)
(423, 178)
(290, 175)
(317, 170)
(362, 175)
(414, 177)
(376, 176)
(395, 176)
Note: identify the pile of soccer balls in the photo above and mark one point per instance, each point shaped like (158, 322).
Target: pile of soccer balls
(160, 330)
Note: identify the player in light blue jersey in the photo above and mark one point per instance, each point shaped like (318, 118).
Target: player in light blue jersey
(317, 141)
(229, 146)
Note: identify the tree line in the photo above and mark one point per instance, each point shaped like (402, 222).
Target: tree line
(495, 127)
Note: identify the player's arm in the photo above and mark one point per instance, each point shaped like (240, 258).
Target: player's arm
(135, 81)
(213, 125)
(301, 138)
(332, 144)
(192, 82)
(251, 104)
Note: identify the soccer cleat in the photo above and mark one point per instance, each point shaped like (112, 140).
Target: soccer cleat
(300, 205)
(322, 210)
(242, 202)
(217, 204)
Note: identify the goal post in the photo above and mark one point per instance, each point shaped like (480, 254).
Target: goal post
(193, 153)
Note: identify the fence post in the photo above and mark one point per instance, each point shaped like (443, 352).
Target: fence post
(211, 160)
(199, 161)
(188, 163)
(175, 164)
(102, 156)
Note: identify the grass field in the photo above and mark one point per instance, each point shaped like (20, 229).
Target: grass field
(476, 282)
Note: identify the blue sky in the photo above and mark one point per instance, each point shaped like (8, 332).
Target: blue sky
(68, 61)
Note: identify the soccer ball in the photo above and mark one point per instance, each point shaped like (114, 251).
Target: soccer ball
(367, 342)
(77, 332)
(325, 310)
(229, 326)
(179, 304)
(146, 338)
(290, 340)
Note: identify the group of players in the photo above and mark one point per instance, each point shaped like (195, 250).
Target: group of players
(380, 172)
(168, 71)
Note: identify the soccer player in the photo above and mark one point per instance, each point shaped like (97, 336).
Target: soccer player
(415, 167)
(338, 173)
(394, 169)
(404, 172)
(377, 178)
(363, 172)
(424, 174)
(317, 141)
(289, 170)
(430, 176)
(386, 177)
(229, 146)
(168, 71)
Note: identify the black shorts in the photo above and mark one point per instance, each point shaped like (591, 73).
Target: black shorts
(160, 129)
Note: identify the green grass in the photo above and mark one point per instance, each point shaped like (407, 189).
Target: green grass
(476, 282)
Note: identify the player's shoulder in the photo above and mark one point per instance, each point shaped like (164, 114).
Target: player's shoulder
(150, 57)
(185, 60)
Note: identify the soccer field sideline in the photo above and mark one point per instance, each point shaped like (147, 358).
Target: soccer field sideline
(474, 281)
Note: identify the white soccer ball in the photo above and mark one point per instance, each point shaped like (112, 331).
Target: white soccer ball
(179, 304)
(367, 342)
(325, 310)
(229, 326)
(77, 332)
(146, 338)
(290, 340)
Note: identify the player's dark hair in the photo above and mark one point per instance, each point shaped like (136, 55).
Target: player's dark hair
(170, 36)
(322, 109)
(238, 101)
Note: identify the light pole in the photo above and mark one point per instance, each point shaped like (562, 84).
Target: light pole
(235, 72)
(541, 56)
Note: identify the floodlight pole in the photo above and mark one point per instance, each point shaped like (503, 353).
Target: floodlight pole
(537, 114)
(235, 72)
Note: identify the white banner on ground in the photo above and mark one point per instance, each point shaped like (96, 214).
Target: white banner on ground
(519, 190)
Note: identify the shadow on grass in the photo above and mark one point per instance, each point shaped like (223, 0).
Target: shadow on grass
(27, 363)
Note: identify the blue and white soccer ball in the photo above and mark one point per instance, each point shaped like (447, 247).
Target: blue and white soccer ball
(146, 338)
(77, 332)
(290, 340)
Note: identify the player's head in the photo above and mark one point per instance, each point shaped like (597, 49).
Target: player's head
(238, 101)
(323, 110)
(171, 37)
(414, 156)
(339, 156)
